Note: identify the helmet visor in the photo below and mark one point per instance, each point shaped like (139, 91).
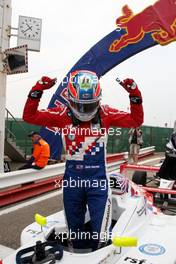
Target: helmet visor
(86, 108)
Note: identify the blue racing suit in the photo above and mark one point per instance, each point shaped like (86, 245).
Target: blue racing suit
(85, 183)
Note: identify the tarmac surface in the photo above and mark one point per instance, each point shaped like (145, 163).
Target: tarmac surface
(13, 219)
(13, 222)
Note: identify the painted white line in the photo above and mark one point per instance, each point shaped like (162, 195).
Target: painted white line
(33, 201)
(5, 251)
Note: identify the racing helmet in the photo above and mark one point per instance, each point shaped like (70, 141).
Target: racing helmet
(84, 94)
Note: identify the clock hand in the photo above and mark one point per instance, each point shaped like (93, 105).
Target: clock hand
(30, 27)
(25, 30)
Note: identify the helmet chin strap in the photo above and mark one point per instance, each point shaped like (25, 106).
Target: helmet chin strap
(86, 115)
(76, 121)
(86, 120)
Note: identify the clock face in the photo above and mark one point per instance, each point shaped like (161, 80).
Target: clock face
(29, 28)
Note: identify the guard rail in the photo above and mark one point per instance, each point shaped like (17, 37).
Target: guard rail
(19, 185)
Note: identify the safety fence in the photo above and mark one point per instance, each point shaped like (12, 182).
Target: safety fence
(19, 185)
(117, 142)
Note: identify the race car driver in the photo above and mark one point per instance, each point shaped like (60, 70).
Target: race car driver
(84, 124)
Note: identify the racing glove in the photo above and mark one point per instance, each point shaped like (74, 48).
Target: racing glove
(43, 84)
(132, 88)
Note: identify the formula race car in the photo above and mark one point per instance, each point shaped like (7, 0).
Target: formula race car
(163, 190)
(141, 233)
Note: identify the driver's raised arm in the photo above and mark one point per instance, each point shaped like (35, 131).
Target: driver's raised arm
(136, 115)
(47, 117)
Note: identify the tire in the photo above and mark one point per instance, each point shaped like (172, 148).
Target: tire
(140, 177)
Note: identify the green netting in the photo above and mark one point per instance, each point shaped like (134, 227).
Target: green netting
(20, 130)
(152, 136)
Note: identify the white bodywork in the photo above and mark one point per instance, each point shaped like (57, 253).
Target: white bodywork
(136, 217)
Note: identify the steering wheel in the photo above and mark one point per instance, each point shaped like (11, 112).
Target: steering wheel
(39, 253)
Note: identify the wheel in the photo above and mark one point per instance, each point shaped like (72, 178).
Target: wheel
(140, 177)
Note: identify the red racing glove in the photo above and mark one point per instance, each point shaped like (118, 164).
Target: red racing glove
(43, 84)
(132, 88)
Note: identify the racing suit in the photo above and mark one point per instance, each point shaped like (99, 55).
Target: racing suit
(85, 181)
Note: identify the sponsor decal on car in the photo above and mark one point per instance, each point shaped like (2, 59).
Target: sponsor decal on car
(37, 232)
(152, 249)
(33, 232)
(143, 209)
(135, 260)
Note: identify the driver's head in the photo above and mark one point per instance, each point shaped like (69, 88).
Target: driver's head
(84, 94)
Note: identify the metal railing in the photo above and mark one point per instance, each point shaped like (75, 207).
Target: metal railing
(10, 133)
(11, 179)
(19, 185)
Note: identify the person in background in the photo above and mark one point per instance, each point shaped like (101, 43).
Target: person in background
(168, 168)
(40, 154)
(135, 141)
